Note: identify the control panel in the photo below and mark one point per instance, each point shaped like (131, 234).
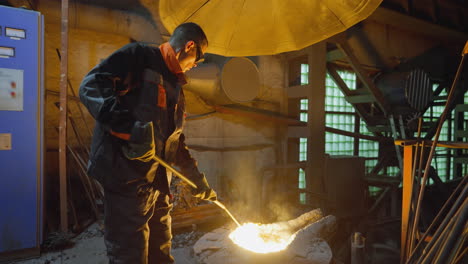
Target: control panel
(21, 132)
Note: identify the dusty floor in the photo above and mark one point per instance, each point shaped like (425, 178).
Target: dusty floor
(89, 248)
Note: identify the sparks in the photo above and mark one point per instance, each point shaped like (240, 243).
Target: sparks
(262, 238)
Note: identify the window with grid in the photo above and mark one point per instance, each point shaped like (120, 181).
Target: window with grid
(302, 186)
(341, 115)
(368, 149)
(302, 179)
(303, 108)
(304, 74)
(302, 149)
(464, 170)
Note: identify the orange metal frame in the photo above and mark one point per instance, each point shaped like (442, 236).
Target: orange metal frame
(407, 189)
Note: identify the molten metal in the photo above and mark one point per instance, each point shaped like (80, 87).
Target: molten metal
(272, 237)
(262, 238)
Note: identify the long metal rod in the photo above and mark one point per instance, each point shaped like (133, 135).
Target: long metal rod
(436, 139)
(414, 192)
(395, 137)
(454, 237)
(442, 212)
(87, 188)
(461, 254)
(63, 120)
(189, 182)
(82, 115)
(443, 225)
(438, 239)
(218, 203)
(176, 172)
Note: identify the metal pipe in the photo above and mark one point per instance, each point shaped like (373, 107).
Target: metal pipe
(414, 192)
(63, 119)
(218, 203)
(454, 235)
(220, 85)
(176, 172)
(88, 191)
(79, 105)
(447, 219)
(436, 219)
(436, 139)
(439, 245)
(459, 255)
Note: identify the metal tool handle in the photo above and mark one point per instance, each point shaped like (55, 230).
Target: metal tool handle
(189, 182)
(218, 203)
(176, 172)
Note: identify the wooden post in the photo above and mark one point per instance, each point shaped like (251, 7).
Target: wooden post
(317, 60)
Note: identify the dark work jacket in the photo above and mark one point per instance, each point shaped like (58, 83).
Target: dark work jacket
(135, 84)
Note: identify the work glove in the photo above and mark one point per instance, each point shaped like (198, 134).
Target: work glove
(203, 190)
(141, 144)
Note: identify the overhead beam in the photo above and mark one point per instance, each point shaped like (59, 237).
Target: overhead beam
(343, 45)
(333, 72)
(334, 55)
(298, 91)
(259, 114)
(405, 22)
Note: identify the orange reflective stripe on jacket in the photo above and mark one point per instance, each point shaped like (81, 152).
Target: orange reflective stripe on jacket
(124, 136)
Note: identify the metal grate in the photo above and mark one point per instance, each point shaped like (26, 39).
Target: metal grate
(418, 89)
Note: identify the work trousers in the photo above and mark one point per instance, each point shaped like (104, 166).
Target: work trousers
(138, 226)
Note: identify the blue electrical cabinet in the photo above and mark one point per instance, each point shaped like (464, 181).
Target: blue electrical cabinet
(21, 132)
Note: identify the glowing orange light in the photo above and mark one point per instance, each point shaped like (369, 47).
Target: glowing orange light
(262, 238)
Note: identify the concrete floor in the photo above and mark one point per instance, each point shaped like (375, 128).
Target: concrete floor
(90, 248)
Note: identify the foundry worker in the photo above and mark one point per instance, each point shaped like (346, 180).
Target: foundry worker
(136, 98)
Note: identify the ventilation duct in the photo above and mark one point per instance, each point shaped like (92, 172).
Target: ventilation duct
(236, 81)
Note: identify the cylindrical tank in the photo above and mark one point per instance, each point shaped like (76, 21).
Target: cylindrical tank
(406, 91)
(237, 81)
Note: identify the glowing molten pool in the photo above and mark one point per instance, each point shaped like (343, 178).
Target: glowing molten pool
(262, 238)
